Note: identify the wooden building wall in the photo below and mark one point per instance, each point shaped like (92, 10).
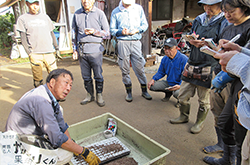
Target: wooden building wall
(147, 6)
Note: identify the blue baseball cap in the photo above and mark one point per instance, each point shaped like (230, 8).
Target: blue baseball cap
(32, 1)
(209, 2)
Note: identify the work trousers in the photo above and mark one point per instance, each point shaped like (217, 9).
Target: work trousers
(160, 86)
(218, 101)
(131, 51)
(89, 62)
(187, 91)
(233, 133)
(37, 61)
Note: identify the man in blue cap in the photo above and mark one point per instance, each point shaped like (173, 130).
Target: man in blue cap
(38, 39)
(172, 65)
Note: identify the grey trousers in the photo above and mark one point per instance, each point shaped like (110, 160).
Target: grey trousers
(131, 51)
(91, 61)
(159, 86)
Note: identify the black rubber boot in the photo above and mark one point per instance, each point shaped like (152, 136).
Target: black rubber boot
(201, 116)
(38, 83)
(90, 92)
(99, 90)
(167, 96)
(217, 147)
(129, 97)
(184, 114)
(145, 94)
(228, 158)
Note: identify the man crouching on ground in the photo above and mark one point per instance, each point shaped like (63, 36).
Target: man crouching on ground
(38, 113)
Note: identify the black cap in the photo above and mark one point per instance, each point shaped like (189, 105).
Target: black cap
(170, 42)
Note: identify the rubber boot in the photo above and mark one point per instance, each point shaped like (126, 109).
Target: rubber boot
(217, 147)
(228, 158)
(38, 83)
(99, 98)
(90, 93)
(129, 97)
(145, 94)
(201, 116)
(184, 113)
(167, 96)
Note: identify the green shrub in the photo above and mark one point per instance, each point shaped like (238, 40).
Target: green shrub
(6, 26)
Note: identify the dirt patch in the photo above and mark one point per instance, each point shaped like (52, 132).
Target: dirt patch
(6, 61)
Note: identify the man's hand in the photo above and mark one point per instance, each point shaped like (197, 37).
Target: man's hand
(75, 55)
(228, 46)
(125, 31)
(134, 31)
(174, 88)
(224, 58)
(58, 55)
(197, 43)
(151, 82)
(89, 157)
(89, 31)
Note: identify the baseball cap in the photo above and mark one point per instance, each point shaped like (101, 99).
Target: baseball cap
(170, 42)
(128, 2)
(209, 2)
(32, 1)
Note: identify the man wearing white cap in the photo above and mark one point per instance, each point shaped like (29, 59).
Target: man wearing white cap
(38, 39)
(127, 23)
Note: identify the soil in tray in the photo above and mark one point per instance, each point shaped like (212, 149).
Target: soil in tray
(123, 161)
(107, 148)
(110, 149)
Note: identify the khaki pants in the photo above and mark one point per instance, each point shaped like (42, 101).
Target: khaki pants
(187, 91)
(218, 101)
(37, 61)
(245, 152)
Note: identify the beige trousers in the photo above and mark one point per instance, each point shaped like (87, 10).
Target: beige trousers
(37, 61)
(187, 91)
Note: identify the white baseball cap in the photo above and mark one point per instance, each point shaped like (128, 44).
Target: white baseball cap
(128, 2)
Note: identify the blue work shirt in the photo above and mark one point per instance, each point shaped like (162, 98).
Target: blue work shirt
(173, 68)
(132, 18)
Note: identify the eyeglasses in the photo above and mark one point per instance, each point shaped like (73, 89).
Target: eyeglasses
(230, 11)
(167, 48)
